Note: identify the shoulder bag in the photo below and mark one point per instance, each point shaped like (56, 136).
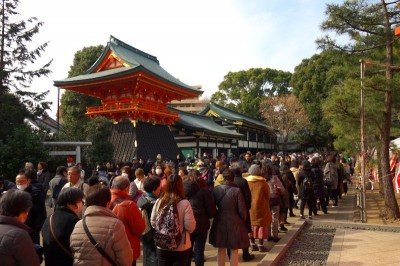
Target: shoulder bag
(96, 244)
(55, 238)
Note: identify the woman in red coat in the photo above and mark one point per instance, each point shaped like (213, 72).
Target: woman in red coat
(127, 210)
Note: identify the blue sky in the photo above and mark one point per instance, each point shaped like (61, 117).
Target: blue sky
(196, 41)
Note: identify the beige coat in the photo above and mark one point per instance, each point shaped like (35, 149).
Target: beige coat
(260, 214)
(295, 172)
(107, 230)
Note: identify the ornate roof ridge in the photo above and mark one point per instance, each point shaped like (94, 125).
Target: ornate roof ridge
(133, 49)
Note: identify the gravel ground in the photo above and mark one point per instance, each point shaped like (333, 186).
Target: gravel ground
(311, 247)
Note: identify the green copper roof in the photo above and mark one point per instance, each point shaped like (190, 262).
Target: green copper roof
(233, 116)
(136, 60)
(204, 124)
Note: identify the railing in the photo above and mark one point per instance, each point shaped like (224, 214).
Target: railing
(361, 199)
(136, 109)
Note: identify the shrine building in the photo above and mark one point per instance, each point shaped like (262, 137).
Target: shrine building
(133, 86)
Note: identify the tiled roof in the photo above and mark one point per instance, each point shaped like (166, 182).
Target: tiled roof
(204, 124)
(233, 116)
(135, 60)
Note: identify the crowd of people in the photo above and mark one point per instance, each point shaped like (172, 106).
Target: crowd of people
(164, 210)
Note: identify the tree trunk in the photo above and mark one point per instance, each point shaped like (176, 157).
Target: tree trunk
(284, 144)
(392, 208)
(2, 68)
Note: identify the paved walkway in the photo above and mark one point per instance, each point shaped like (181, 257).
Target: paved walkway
(354, 243)
(370, 244)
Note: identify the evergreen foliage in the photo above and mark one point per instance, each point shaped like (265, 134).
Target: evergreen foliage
(243, 91)
(73, 105)
(18, 142)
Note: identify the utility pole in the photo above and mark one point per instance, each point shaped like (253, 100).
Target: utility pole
(363, 149)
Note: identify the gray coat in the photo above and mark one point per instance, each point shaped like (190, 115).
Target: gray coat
(16, 246)
(332, 170)
(228, 229)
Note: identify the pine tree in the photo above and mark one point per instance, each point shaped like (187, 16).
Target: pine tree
(17, 69)
(369, 26)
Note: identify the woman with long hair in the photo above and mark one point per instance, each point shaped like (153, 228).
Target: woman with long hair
(174, 194)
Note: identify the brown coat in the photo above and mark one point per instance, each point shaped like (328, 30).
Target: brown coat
(108, 231)
(260, 213)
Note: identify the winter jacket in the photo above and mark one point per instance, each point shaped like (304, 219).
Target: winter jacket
(229, 229)
(332, 170)
(246, 165)
(202, 203)
(128, 212)
(295, 172)
(187, 222)
(286, 184)
(304, 194)
(244, 188)
(37, 213)
(109, 231)
(52, 184)
(319, 188)
(16, 246)
(44, 178)
(277, 190)
(79, 185)
(260, 213)
(6, 185)
(146, 203)
(63, 221)
(208, 175)
(241, 183)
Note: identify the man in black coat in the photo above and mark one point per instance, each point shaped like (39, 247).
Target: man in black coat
(69, 205)
(152, 187)
(204, 209)
(26, 181)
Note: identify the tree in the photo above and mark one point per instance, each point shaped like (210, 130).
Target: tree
(242, 91)
(370, 27)
(12, 114)
(18, 143)
(73, 105)
(17, 69)
(312, 80)
(20, 146)
(342, 109)
(98, 131)
(285, 114)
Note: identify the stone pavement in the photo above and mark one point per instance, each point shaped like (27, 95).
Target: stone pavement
(374, 243)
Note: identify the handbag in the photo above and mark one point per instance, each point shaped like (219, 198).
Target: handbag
(55, 238)
(96, 244)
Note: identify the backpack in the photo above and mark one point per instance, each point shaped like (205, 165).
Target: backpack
(57, 188)
(328, 180)
(307, 184)
(145, 217)
(168, 233)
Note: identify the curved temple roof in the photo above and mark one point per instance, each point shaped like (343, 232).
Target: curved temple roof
(234, 117)
(204, 124)
(134, 60)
